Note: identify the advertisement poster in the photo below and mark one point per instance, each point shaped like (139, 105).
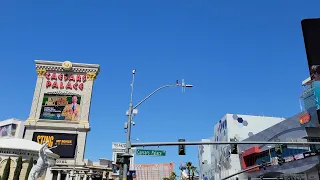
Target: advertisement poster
(65, 143)
(60, 107)
(8, 130)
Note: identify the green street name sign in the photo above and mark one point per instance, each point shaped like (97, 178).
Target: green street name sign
(144, 152)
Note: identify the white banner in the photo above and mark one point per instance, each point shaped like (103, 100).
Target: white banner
(118, 145)
(119, 150)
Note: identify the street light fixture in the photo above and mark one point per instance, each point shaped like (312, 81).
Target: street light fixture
(132, 111)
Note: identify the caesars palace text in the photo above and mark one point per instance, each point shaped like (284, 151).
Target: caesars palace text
(68, 81)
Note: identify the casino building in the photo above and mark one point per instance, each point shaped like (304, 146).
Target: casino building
(303, 161)
(60, 115)
(215, 161)
(300, 161)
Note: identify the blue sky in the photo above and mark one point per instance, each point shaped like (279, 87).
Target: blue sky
(243, 57)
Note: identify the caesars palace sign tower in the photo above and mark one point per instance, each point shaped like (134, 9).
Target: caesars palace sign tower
(60, 108)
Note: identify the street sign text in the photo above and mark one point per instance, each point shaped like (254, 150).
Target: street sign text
(144, 152)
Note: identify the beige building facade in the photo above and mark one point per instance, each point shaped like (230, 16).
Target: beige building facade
(60, 113)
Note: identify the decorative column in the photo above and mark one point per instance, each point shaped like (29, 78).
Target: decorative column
(67, 176)
(59, 175)
(36, 95)
(90, 175)
(49, 174)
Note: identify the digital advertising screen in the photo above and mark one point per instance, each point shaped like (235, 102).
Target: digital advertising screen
(60, 107)
(311, 35)
(8, 130)
(66, 143)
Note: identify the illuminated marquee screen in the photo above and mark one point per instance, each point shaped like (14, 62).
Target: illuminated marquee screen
(311, 35)
(60, 107)
(66, 143)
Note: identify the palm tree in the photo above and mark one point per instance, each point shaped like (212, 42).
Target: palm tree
(173, 176)
(188, 167)
(194, 171)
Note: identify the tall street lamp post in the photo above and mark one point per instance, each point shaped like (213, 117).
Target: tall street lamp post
(130, 112)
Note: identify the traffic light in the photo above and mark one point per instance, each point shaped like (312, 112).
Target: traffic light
(278, 148)
(234, 149)
(182, 148)
(280, 159)
(264, 164)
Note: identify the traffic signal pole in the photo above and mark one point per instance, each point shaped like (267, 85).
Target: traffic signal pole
(126, 156)
(219, 143)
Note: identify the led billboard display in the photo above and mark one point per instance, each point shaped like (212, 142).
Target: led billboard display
(60, 107)
(311, 34)
(66, 143)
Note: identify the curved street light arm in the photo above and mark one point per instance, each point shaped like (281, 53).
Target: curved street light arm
(162, 87)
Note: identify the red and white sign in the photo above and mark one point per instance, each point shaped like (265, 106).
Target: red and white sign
(65, 81)
(298, 156)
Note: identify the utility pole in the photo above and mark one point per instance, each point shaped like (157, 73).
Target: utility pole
(127, 155)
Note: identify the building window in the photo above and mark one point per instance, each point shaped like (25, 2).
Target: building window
(313, 147)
